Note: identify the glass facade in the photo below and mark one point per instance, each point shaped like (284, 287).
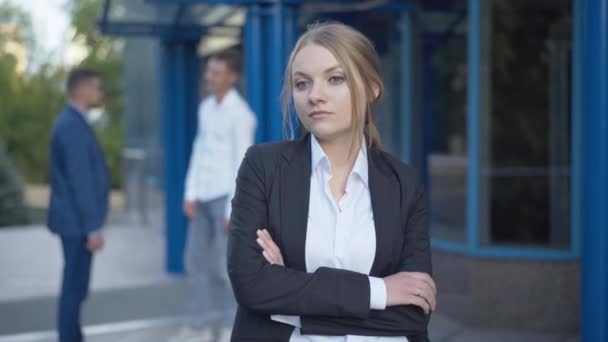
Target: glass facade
(526, 123)
(443, 145)
(143, 152)
(522, 195)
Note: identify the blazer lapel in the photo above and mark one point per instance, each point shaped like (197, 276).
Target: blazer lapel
(295, 195)
(385, 195)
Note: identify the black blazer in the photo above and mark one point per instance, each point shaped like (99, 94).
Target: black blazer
(272, 191)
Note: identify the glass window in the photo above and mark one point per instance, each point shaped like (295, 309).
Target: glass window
(443, 116)
(525, 113)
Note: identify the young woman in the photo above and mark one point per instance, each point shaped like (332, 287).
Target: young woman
(328, 235)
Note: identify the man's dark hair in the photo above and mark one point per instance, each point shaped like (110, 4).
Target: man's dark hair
(231, 57)
(78, 76)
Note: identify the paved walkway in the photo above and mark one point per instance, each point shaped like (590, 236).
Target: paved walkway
(132, 299)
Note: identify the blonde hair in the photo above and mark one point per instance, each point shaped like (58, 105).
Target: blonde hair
(359, 59)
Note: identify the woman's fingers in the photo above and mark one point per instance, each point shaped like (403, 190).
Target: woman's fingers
(426, 294)
(423, 288)
(405, 288)
(419, 295)
(269, 258)
(426, 278)
(271, 252)
(268, 254)
(419, 301)
(271, 244)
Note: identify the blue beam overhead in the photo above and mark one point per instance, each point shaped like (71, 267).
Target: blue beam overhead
(155, 31)
(174, 20)
(224, 2)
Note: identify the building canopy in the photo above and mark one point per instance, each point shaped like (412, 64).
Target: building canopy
(177, 19)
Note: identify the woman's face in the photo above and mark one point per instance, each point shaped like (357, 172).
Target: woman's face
(321, 95)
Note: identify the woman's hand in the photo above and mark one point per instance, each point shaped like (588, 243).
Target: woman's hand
(403, 288)
(411, 288)
(271, 252)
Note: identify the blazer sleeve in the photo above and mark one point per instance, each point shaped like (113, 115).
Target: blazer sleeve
(274, 289)
(403, 320)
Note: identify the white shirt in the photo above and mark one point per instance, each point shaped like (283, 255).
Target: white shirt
(340, 235)
(225, 131)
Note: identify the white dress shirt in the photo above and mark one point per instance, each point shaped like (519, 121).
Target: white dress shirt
(340, 235)
(225, 131)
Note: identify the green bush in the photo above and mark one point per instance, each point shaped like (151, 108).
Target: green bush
(13, 210)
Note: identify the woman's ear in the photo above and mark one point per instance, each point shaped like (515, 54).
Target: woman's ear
(376, 91)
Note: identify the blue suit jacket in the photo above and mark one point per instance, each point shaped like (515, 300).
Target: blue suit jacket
(79, 177)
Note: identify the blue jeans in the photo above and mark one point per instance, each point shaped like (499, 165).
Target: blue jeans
(206, 250)
(75, 287)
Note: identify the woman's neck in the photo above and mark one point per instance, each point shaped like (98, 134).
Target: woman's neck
(341, 152)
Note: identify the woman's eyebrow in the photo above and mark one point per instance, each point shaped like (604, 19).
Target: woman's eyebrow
(327, 71)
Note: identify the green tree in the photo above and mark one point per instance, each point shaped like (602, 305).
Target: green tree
(15, 25)
(29, 101)
(105, 55)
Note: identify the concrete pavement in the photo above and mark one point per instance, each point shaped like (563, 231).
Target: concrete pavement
(132, 297)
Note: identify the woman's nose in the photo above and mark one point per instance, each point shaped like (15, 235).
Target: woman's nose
(317, 92)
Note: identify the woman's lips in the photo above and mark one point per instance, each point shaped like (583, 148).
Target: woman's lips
(318, 114)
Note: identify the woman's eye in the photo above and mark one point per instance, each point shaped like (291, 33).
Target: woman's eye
(336, 79)
(301, 85)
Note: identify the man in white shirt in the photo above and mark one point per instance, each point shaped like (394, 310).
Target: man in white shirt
(226, 127)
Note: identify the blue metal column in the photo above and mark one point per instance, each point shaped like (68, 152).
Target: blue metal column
(254, 57)
(276, 68)
(594, 287)
(270, 32)
(407, 88)
(179, 94)
(473, 122)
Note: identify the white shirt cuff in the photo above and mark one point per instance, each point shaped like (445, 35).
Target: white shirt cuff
(189, 196)
(228, 209)
(291, 320)
(377, 294)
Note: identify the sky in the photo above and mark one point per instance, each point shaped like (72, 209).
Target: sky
(51, 22)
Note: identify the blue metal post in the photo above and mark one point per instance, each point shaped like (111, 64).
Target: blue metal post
(179, 89)
(407, 98)
(595, 171)
(254, 56)
(269, 36)
(473, 122)
(275, 71)
(578, 119)
(291, 35)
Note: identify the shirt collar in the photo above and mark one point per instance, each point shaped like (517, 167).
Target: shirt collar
(230, 96)
(76, 109)
(360, 168)
(317, 152)
(83, 115)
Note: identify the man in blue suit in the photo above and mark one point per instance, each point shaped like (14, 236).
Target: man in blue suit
(79, 196)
